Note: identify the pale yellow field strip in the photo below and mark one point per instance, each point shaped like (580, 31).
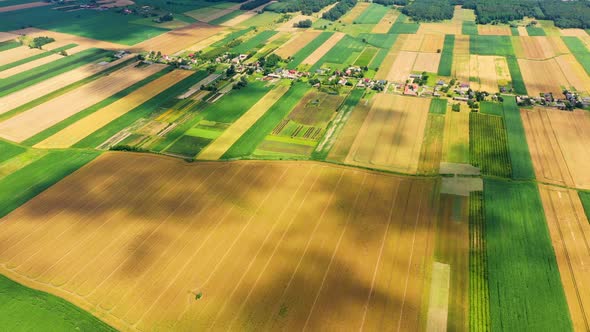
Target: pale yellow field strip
(296, 43)
(456, 138)
(441, 28)
(402, 67)
(427, 62)
(461, 59)
(576, 75)
(438, 306)
(289, 25)
(386, 22)
(216, 149)
(4, 36)
(573, 32)
(386, 65)
(539, 47)
(522, 31)
(461, 45)
(33, 92)
(203, 44)
(150, 233)
(494, 30)
(239, 19)
(79, 130)
(17, 53)
(543, 76)
(39, 62)
(486, 69)
(322, 50)
(432, 43)
(71, 39)
(23, 6)
(413, 43)
(570, 234)
(474, 71)
(177, 40)
(39, 118)
(502, 70)
(354, 13)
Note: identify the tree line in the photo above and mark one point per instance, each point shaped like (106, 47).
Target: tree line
(339, 10)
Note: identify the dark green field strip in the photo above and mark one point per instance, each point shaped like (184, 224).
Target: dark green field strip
(446, 59)
(26, 183)
(517, 80)
(585, 198)
(255, 42)
(525, 288)
(469, 28)
(340, 52)
(26, 309)
(41, 73)
(380, 40)
(232, 36)
(336, 125)
(80, 115)
(514, 31)
(235, 103)
(520, 157)
(438, 106)
(142, 111)
(248, 142)
(35, 57)
(9, 44)
(9, 150)
(579, 50)
(491, 108)
(491, 45)
(488, 148)
(188, 146)
(372, 15)
(401, 27)
(66, 89)
(535, 31)
(308, 49)
(226, 17)
(479, 295)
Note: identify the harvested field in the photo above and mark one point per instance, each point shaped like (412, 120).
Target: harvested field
(539, 47)
(432, 145)
(231, 135)
(39, 118)
(239, 19)
(39, 62)
(357, 10)
(456, 138)
(23, 6)
(560, 146)
(386, 22)
(203, 44)
(484, 68)
(179, 39)
(346, 138)
(573, 32)
(522, 31)
(543, 76)
(576, 75)
(79, 130)
(392, 134)
(5, 36)
(570, 235)
(413, 43)
(444, 28)
(209, 14)
(427, 62)
(386, 67)
(323, 49)
(402, 67)
(23, 96)
(461, 59)
(17, 53)
(432, 43)
(122, 235)
(494, 30)
(296, 44)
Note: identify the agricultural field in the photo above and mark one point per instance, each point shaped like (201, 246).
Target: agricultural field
(294, 165)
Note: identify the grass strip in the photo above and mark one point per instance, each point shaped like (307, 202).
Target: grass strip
(9, 44)
(438, 106)
(446, 59)
(520, 156)
(9, 150)
(517, 80)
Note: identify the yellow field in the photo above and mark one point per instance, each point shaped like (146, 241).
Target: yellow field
(427, 62)
(391, 136)
(543, 76)
(322, 50)
(386, 22)
(39, 118)
(461, 58)
(289, 25)
(502, 71)
(432, 43)
(539, 47)
(390, 58)
(456, 138)
(494, 30)
(176, 40)
(412, 43)
(39, 62)
(134, 238)
(484, 67)
(55, 83)
(203, 44)
(402, 67)
(522, 31)
(216, 149)
(17, 53)
(576, 75)
(239, 19)
(441, 28)
(358, 9)
(79, 130)
(296, 43)
(570, 234)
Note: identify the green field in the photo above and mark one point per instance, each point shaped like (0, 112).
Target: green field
(524, 283)
(535, 31)
(438, 106)
(26, 183)
(340, 54)
(237, 102)
(491, 108)
(255, 42)
(36, 57)
(479, 295)
(371, 15)
(403, 26)
(487, 145)
(142, 111)
(308, 49)
(469, 28)
(248, 142)
(8, 45)
(491, 45)
(585, 198)
(44, 72)
(366, 57)
(232, 36)
(579, 50)
(520, 157)
(382, 41)
(517, 80)
(26, 309)
(9, 150)
(188, 146)
(446, 60)
(514, 31)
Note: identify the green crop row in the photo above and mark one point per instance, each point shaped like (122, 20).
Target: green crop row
(308, 49)
(488, 148)
(517, 80)
(520, 157)
(254, 42)
(372, 15)
(446, 60)
(36, 57)
(469, 28)
(438, 106)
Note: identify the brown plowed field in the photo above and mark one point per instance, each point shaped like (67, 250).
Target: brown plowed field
(133, 238)
(391, 136)
(39, 118)
(543, 76)
(559, 143)
(570, 234)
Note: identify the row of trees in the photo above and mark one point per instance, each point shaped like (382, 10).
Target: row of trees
(391, 2)
(253, 4)
(307, 7)
(340, 9)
